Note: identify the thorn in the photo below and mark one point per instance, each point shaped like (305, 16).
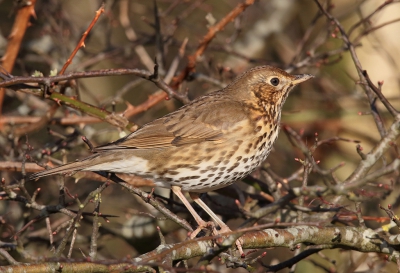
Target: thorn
(150, 195)
(359, 149)
(237, 202)
(88, 143)
(162, 238)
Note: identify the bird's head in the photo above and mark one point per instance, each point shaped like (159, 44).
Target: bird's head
(265, 85)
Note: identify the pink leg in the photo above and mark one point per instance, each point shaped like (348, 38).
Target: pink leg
(222, 225)
(200, 222)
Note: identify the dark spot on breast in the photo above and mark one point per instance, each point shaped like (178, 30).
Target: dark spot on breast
(226, 162)
(203, 180)
(211, 175)
(257, 129)
(184, 178)
(179, 166)
(222, 168)
(216, 163)
(203, 171)
(238, 158)
(233, 167)
(170, 172)
(270, 134)
(245, 160)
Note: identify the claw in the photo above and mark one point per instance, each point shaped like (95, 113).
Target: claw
(238, 243)
(204, 225)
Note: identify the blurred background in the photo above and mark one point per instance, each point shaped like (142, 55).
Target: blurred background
(286, 33)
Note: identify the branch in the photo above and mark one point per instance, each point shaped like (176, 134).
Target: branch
(81, 42)
(212, 32)
(18, 30)
(359, 239)
(9, 81)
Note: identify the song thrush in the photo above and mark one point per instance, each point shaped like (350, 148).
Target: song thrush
(207, 144)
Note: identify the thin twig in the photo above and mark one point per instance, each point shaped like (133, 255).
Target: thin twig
(81, 42)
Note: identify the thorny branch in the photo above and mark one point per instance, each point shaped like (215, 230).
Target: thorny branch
(277, 208)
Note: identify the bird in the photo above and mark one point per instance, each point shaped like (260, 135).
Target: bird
(207, 144)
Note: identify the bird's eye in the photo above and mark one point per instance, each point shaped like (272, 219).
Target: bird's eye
(274, 81)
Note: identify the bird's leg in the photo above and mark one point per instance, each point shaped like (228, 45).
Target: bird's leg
(224, 228)
(200, 222)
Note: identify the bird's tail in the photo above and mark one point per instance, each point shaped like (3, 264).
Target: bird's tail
(69, 168)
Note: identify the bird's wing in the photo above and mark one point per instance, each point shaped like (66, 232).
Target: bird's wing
(201, 121)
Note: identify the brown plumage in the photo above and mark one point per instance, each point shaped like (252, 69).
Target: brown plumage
(208, 144)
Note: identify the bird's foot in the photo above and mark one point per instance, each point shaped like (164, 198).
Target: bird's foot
(239, 242)
(203, 225)
(224, 230)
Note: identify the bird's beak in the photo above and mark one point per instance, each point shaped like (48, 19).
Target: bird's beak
(301, 78)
